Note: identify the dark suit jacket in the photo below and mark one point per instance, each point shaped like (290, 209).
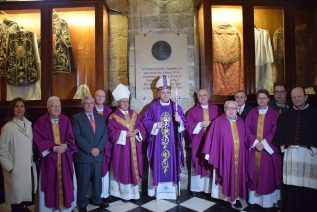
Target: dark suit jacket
(86, 139)
(245, 111)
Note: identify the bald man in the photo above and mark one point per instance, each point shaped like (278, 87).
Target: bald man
(199, 119)
(296, 134)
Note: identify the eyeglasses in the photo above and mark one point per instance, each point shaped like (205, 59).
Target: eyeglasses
(231, 108)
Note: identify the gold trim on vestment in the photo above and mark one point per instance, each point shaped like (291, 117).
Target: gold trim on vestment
(165, 131)
(57, 140)
(129, 124)
(235, 136)
(259, 136)
(206, 115)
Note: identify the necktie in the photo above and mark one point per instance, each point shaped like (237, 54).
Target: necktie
(239, 110)
(92, 122)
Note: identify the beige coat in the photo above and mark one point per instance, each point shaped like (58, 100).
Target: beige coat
(16, 160)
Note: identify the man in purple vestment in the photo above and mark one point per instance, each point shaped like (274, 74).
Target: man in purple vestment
(198, 121)
(103, 109)
(227, 155)
(164, 122)
(54, 139)
(264, 166)
(126, 132)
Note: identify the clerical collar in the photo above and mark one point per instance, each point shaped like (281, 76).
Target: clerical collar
(99, 108)
(305, 107)
(124, 112)
(204, 106)
(54, 120)
(263, 111)
(165, 103)
(232, 120)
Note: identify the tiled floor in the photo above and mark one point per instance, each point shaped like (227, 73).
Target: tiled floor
(186, 203)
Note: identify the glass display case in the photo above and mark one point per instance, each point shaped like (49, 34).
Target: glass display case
(58, 48)
(227, 43)
(73, 70)
(268, 46)
(277, 42)
(306, 46)
(20, 50)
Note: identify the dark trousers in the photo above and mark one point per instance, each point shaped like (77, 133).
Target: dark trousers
(86, 173)
(295, 198)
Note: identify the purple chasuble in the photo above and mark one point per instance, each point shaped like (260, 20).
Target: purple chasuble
(270, 168)
(221, 156)
(164, 149)
(194, 116)
(121, 155)
(44, 140)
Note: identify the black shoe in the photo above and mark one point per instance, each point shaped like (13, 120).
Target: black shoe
(104, 205)
(105, 200)
(237, 204)
(82, 209)
(223, 205)
(194, 194)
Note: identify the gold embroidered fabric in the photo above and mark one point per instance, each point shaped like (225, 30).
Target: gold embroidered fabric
(57, 140)
(6, 27)
(206, 115)
(129, 123)
(259, 136)
(226, 44)
(63, 61)
(165, 131)
(21, 67)
(235, 136)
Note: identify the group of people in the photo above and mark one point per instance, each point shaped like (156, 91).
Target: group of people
(258, 155)
(242, 155)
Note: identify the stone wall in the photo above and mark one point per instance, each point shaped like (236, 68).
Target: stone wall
(147, 17)
(118, 53)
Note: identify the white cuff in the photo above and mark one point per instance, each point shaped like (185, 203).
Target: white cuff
(267, 147)
(206, 156)
(45, 153)
(122, 138)
(181, 127)
(283, 149)
(197, 128)
(256, 141)
(155, 130)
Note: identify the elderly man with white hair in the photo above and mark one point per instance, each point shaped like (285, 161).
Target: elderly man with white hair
(91, 136)
(126, 133)
(227, 155)
(54, 139)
